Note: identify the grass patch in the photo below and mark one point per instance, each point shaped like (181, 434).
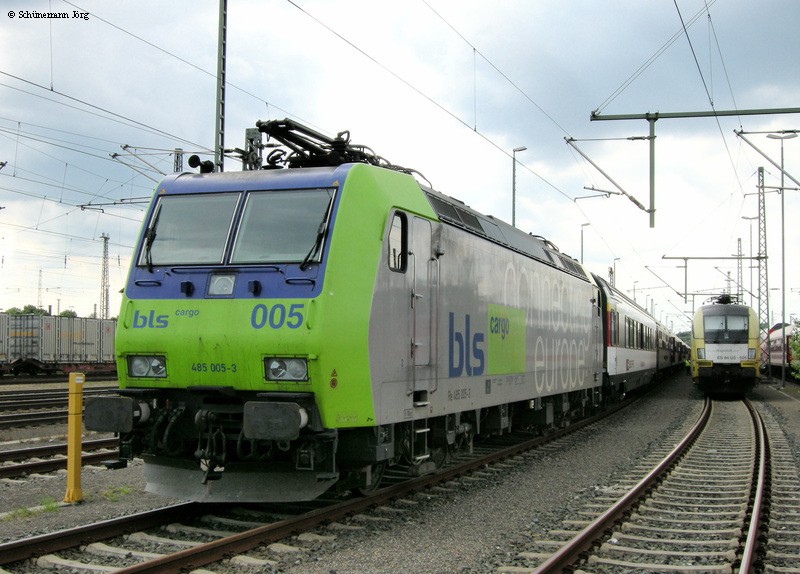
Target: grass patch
(114, 494)
(48, 505)
(19, 513)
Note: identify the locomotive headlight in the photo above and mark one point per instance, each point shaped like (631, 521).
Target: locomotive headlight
(221, 285)
(286, 369)
(751, 353)
(152, 366)
(701, 353)
(297, 369)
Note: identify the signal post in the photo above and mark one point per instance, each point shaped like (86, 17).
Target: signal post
(74, 436)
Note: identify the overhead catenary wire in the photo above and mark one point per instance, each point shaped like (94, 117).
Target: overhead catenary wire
(185, 61)
(55, 143)
(708, 94)
(427, 97)
(93, 108)
(267, 104)
(651, 60)
(694, 54)
(47, 181)
(463, 122)
(722, 61)
(108, 114)
(74, 133)
(57, 233)
(496, 69)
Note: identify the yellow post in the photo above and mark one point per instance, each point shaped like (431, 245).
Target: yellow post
(74, 445)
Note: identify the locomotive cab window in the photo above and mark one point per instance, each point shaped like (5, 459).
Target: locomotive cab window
(398, 239)
(189, 229)
(725, 328)
(283, 227)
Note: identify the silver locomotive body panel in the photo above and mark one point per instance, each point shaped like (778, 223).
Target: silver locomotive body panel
(472, 324)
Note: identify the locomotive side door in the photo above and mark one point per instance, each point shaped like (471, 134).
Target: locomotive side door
(421, 291)
(597, 333)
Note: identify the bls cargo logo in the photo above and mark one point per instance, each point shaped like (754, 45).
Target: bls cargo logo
(149, 321)
(505, 347)
(473, 352)
(464, 349)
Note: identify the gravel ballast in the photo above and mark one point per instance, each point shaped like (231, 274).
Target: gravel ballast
(470, 531)
(476, 533)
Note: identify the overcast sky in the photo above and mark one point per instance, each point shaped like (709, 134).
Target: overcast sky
(448, 88)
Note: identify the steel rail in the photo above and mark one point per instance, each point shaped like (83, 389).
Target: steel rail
(586, 538)
(54, 449)
(50, 465)
(37, 418)
(45, 399)
(46, 402)
(54, 541)
(759, 501)
(29, 403)
(11, 394)
(213, 551)
(27, 468)
(216, 550)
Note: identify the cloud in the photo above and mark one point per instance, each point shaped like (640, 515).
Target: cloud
(445, 87)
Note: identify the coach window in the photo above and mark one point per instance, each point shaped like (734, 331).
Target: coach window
(614, 329)
(629, 342)
(626, 342)
(398, 239)
(632, 334)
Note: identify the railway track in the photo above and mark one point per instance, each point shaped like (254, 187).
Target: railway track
(33, 418)
(32, 379)
(45, 398)
(704, 507)
(780, 550)
(170, 546)
(27, 408)
(691, 514)
(10, 467)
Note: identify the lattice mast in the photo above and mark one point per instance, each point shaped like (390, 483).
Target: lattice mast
(219, 127)
(104, 283)
(739, 278)
(763, 277)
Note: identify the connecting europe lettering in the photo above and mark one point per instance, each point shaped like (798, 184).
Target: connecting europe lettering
(543, 332)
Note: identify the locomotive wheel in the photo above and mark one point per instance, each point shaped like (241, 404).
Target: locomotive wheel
(438, 456)
(369, 481)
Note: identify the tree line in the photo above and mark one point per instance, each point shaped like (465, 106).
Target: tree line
(34, 310)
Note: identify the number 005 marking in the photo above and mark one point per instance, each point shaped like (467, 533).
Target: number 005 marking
(277, 316)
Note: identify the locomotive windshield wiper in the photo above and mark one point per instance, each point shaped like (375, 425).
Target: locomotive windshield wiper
(323, 225)
(150, 237)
